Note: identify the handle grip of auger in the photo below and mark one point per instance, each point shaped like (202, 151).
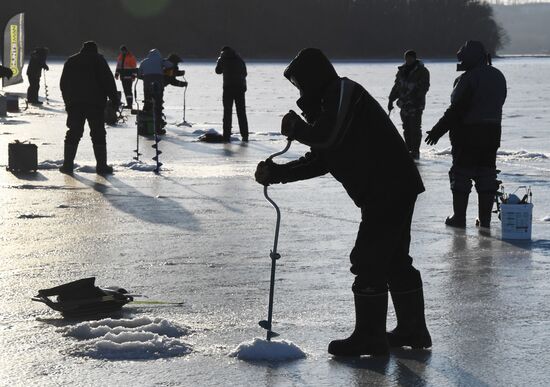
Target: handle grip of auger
(289, 141)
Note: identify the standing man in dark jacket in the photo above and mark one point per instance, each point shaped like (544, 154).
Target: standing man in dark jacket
(86, 82)
(34, 71)
(233, 68)
(412, 83)
(353, 139)
(474, 124)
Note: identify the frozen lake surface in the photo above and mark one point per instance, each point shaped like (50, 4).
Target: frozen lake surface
(199, 235)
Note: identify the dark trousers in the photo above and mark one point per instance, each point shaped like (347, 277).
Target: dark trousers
(380, 257)
(127, 87)
(412, 125)
(77, 117)
(473, 164)
(230, 95)
(34, 87)
(154, 91)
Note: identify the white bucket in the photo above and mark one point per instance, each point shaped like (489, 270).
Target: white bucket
(517, 220)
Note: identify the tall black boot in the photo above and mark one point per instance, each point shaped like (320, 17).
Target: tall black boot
(411, 330)
(369, 336)
(460, 204)
(69, 153)
(100, 152)
(416, 140)
(485, 207)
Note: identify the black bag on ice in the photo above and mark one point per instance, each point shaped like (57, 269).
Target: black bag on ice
(22, 157)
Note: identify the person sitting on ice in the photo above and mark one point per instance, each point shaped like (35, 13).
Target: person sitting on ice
(474, 124)
(351, 137)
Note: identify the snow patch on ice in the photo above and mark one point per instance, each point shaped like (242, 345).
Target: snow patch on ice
(521, 154)
(139, 338)
(50, 164)
(139, 166)
(85, 169)
(263, 350)
(546, 218)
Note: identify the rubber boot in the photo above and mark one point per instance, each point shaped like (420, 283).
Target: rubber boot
(369, 336)
(416, 140)
(69, 153)
(485, 207)
(411, 330)
(100, 152)
(460, 203)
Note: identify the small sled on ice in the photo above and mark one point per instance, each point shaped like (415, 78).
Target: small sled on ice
(83, 298)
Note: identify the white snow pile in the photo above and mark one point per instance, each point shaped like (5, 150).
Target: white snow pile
(139, 166)
(50, 164)
(521, 154)
(263, 350)
(128, 339)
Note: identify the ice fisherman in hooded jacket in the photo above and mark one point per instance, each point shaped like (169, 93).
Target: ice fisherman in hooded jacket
(351, 137)
(473, 121)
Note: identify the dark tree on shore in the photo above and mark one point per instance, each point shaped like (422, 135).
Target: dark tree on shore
(259, 28)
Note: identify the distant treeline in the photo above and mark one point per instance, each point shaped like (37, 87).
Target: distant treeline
(259, 28)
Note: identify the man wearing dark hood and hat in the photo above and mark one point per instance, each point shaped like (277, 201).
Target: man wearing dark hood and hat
(233, 68)
(86, 82)
(412, 83)
(474, 124)
(37, 63)
(352, 138)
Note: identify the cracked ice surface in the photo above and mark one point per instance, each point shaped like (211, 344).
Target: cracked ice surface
(199, 234)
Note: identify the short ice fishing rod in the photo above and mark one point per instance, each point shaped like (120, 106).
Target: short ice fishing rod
(274, 255)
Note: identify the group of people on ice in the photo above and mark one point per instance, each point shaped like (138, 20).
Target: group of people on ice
(351, 137)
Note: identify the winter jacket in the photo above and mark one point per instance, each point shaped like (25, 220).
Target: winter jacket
(171, 71)
(126, 66)
(233, 68)
(152, 65)
(37, 63)
(349, 134)
(87, 79)
(411, 86)
(475, 114)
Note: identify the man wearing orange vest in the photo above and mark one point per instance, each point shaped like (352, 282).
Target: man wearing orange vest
(126, 69)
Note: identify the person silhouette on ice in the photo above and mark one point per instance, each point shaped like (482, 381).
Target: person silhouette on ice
(351, 137)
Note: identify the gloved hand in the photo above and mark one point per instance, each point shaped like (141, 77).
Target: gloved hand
(390, 106)
(183, 83)
(117, 75)
(288, 124)
(432, 138)
(46, 67)
(266, 173)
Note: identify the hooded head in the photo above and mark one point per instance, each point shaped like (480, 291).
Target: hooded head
(471, 55)
(174, 58)
(311, 72)
(89, 47)
(123, 49)
(154, 54)
(410, 57)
